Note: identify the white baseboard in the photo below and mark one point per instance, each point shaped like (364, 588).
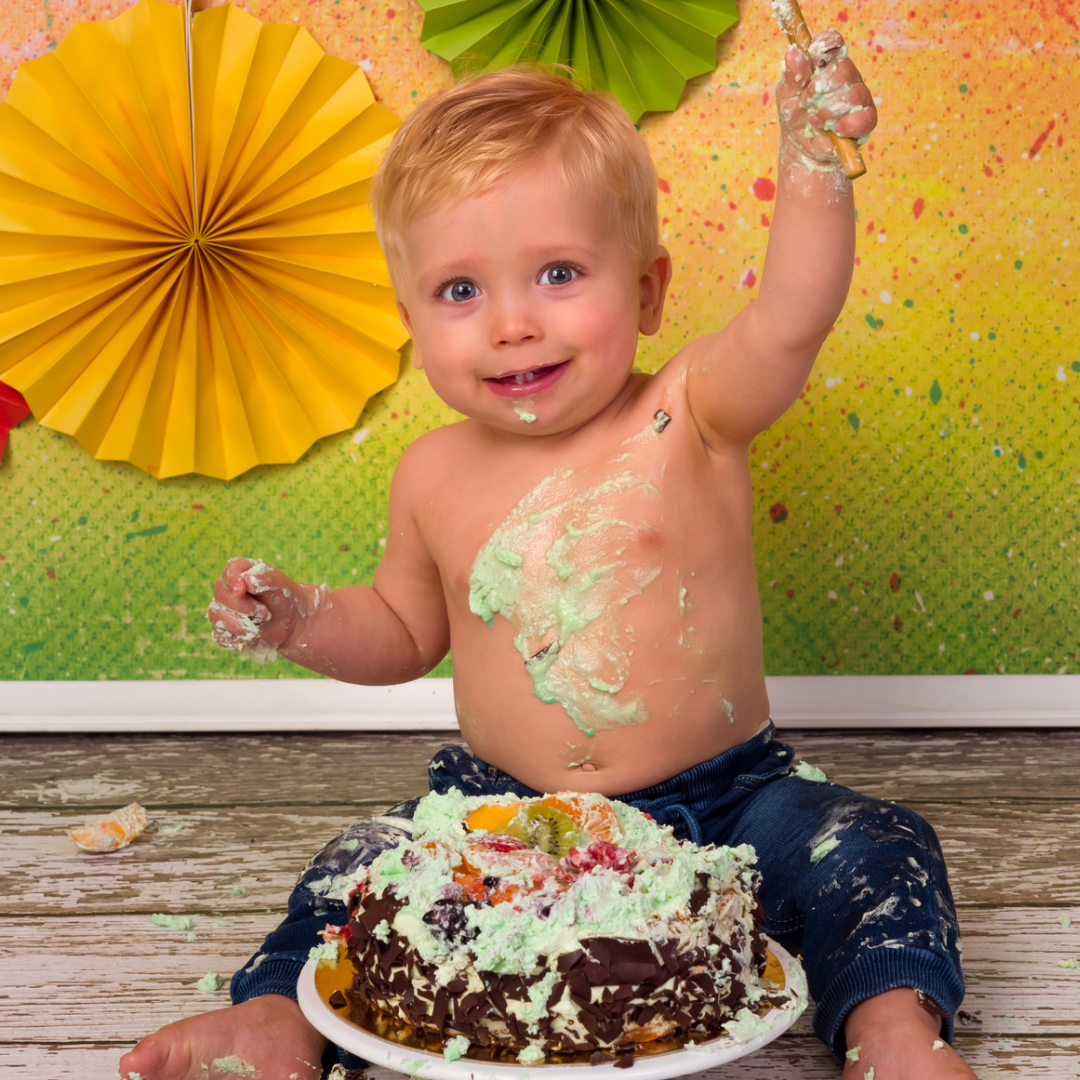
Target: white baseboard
(841, 701)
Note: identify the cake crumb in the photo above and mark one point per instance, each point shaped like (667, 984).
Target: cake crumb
(210, 982)
(531, 1055)
(236, 1065)
(805, 771)
(455, 1047)
(328, 950)
(938, 1045)
(853, 1054)
(869, 1074)
(1065, 919)
(173, 922)
(1071, 964)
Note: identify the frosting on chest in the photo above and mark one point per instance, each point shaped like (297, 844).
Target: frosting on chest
(561, 568)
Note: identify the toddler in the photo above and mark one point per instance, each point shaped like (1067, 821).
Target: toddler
(581, 543)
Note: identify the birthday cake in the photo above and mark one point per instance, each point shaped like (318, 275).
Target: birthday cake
(555, 925)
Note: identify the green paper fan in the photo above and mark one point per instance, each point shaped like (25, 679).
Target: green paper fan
(642, 51)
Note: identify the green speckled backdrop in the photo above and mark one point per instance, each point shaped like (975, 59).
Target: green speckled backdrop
(916, 509)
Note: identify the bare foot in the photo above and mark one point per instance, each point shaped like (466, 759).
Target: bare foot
(266, 1038)
(897, 1039)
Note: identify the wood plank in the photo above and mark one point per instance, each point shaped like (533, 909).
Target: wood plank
(133, 976)
(791, 1057)
(928, 767)
(107, 771)
(193, 859)
(187, 861)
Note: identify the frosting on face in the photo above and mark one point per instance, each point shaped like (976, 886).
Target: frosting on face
(561, 568)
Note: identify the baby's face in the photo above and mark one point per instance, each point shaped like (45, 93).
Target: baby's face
(524, 306)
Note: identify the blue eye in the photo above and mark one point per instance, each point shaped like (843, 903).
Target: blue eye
(557, 275)
(459, 291)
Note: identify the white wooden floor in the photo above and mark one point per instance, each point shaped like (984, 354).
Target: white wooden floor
(84, 973)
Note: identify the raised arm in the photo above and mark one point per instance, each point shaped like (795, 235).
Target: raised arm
(740, 380)
(391, 631)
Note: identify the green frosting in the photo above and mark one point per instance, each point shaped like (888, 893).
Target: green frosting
(322, 886)
(559, 569)
(173, 922)
(455, 1047)
(328, 950)
(210, 982)
(823, 849)
(235, 1065)
(806, 771)
(747, 1026)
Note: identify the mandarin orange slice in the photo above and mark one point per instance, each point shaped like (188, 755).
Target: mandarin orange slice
(113, 832)
(591, 814)
(492, 817)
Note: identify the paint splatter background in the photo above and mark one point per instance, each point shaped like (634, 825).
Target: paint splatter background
(916, 510)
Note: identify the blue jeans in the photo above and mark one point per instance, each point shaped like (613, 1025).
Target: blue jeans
(856, 885)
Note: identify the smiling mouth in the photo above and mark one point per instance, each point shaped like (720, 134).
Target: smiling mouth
(521, 383)
(523, 378)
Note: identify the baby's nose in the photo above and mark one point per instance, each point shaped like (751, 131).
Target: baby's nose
(514, 323)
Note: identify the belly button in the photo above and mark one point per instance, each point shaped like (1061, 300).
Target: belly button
(588, 766)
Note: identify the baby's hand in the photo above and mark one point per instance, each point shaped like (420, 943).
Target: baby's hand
(819, 93)
(256, 606)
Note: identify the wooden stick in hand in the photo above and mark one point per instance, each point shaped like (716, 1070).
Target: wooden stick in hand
(794, 26)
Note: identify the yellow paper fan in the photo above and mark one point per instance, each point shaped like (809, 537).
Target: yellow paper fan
(206, 332)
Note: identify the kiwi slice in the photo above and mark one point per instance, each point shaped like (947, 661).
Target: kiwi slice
(546, 828)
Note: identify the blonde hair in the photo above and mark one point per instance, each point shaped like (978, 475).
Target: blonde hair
(465, 140)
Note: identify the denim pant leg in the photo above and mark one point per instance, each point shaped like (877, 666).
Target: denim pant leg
(857, 885)
(275, 968)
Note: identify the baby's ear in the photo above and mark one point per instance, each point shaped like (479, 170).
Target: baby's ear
(403, 311)
(654, 284)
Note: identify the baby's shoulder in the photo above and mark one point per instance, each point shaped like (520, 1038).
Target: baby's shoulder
(428, 449)
(437, 456)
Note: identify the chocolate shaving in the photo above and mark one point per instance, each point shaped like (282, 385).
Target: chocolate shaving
(565, 961)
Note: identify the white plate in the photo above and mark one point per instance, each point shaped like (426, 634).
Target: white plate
(379, 1051)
